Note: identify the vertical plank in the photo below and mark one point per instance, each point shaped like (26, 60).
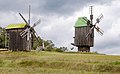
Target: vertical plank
(16, 42)
(80, 36)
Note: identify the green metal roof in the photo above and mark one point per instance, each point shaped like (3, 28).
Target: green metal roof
(82, 21)
(19, 25)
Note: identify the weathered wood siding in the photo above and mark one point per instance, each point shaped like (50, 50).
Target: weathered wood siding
(80, 37)
(16, 42)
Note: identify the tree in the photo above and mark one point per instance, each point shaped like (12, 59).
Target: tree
(38, 44)
(49, 45)
(2, 37)
(63, 49)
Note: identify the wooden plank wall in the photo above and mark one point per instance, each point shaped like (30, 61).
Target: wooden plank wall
(16, 42)
(80, 37)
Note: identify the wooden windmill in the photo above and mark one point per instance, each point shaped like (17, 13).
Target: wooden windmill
(20, 36)
(84, 32)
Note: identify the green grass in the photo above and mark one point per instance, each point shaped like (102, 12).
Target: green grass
(58, 63)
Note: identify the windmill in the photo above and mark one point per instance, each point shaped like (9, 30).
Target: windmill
(29, 31)
(84, 32)
(20, 35)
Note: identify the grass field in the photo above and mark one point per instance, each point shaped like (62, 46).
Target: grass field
(57, 63)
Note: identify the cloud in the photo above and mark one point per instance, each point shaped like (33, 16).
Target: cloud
(67, 7)
(57, 29)
(46, 7)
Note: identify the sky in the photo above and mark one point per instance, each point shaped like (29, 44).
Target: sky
(58, 18)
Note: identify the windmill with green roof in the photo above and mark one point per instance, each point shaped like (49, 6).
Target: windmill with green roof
(84, 32)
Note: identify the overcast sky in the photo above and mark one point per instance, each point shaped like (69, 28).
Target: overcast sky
(59, 16)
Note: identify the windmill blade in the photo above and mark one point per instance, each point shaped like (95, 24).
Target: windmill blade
(100, 17)
(36, 23)
(24, 32)
(36, 37)
(99, 30)
(43, 44)
(90, 31)
(34, 33)
(23, 18)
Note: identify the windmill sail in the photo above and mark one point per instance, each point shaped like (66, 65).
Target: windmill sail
(90, 32)
(23, 18)
(100, 31)
(36, 23)
(100, 17)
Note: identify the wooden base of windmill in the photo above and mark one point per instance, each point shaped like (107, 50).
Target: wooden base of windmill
(84, 49)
